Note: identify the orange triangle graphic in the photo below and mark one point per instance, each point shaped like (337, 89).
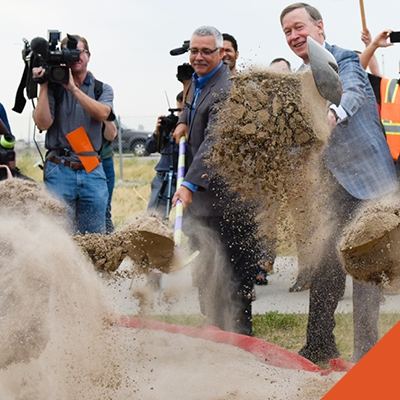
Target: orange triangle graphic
(376, 375)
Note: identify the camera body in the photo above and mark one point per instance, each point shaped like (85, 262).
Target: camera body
(185, 72)
(48, 55)
(395, 37)
(167, 125)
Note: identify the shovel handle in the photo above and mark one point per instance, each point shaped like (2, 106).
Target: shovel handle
(363, 20)
(179, 179)
(180, 174)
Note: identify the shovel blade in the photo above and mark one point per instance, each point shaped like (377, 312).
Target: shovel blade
(324, 68)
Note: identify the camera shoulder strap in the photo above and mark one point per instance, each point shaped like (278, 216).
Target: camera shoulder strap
(98, 88)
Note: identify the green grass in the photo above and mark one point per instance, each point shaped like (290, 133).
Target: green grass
(26, 162)
(288, 330)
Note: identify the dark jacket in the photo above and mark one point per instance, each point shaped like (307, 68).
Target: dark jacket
(209, 199)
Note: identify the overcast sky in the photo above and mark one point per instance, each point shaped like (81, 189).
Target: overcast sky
(130, 41)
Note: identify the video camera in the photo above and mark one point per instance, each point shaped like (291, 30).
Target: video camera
(185, 70)
(167, 125)
(47, 54)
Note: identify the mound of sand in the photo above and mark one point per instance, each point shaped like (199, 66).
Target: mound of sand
(28, 197)
(56, 340)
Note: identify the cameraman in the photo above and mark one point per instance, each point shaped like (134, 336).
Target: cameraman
(169, 159)
(61, 110)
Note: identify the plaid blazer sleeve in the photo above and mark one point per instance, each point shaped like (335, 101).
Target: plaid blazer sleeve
(357, 153)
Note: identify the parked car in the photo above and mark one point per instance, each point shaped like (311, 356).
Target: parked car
(132, 140)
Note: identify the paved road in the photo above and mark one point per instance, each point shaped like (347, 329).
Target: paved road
(179, 297)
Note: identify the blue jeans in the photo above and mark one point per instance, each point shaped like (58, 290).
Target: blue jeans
(108, 166)
(85, 195)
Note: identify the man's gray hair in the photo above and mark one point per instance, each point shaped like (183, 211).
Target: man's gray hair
(210, 31)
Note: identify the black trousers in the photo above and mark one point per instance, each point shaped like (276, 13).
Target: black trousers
(327, 285)
(226, 268)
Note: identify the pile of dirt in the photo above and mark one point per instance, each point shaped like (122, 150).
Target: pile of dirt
(57, 340)
(28, 198)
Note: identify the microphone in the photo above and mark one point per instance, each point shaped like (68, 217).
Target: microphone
(180, 50)
(40, 46)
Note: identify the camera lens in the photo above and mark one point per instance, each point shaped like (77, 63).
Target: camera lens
(58, 74)
(7, 141)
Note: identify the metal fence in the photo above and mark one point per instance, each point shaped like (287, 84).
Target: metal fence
(24, 129)
(135, 129)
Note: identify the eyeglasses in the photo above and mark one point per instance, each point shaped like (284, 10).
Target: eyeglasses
(83, 51)
(204, 52)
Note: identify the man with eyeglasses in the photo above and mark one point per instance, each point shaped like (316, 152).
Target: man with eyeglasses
(215, 221)
(62, 109)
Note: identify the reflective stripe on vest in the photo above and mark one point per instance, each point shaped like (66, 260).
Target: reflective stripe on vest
(390, 114)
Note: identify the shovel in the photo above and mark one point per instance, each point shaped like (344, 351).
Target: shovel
(159, 248)
(325, 71)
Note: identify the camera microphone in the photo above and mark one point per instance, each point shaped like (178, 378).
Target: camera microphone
(180, 50)
(40, 46)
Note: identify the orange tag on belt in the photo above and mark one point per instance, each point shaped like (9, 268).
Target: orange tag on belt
(80, 142)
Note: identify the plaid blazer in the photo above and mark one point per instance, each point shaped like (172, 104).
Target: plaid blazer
(357, 153)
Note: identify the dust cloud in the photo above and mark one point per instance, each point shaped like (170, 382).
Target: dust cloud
(59, 341)
(268, 146)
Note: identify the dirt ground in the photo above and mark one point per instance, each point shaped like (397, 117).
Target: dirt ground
(57, 341)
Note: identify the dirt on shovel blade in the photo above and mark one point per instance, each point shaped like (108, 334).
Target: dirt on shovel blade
(370, 246)
(146, 239)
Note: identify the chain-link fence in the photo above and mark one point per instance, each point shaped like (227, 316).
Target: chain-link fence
(132, 134)
(25, 130)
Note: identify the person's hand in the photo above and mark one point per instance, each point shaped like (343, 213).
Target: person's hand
(180, 130)
(382, 39)
(332, 119)
(184, 195)
(366, 37)
(71, 85)
(38, 72)
(157, 130)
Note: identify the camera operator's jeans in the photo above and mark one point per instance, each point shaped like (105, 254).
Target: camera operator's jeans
(108, 166)
(86, 195)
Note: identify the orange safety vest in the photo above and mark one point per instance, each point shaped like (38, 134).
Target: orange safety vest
(390, 114)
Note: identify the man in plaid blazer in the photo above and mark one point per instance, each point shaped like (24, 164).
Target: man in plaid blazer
(359, 167)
